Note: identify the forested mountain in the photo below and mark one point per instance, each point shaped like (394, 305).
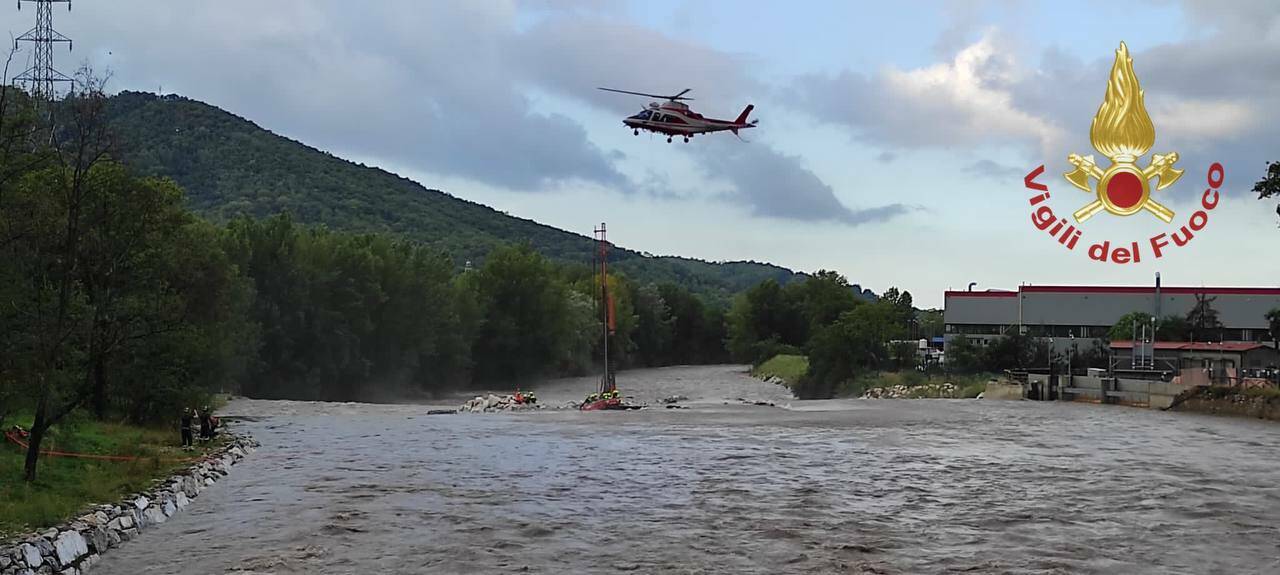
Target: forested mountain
(230, 166)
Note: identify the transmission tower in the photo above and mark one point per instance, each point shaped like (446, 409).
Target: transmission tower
(41, 77)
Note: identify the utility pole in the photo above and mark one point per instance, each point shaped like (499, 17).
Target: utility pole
(41, 79)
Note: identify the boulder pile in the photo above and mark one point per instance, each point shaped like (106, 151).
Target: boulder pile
(73, 547)
(932, 390)
(491, 403)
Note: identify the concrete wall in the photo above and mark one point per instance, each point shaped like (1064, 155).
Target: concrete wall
(997, 390)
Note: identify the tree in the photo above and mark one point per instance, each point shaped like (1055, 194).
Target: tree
(854, 343)
(1173, 328)
(932, 323)
(1273, 321)
(655, 325)
(902, 306)
(1014, 351)
(1130, 324)
(48, 223)
(1204, 320)
(1269, 185)
(822, 297)
(963, 356)
(524, 323)
(764, 318)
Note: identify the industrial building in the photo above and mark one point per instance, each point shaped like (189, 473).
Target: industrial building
(1079, 316)
(1200, 362)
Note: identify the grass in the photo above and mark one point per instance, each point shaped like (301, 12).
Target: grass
(970, 385)
(65, 486)
(789, 368)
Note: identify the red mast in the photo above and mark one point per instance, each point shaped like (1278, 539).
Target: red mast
(607, 322)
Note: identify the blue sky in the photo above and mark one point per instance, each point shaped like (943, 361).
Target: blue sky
(892, 141)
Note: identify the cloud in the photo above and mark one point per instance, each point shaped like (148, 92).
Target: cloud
(1214, 96)
(996, 171)
(962, 102)
(431, 85)
(573, 56)
(772, 184)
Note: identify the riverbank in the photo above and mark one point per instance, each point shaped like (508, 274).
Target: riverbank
(1257, 403)
(782, 369)
(65, 486)
(73, 546)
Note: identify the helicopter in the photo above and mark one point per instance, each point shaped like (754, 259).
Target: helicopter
(674, 118)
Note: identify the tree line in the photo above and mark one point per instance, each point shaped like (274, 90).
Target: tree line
(116, 299)
(843, 334)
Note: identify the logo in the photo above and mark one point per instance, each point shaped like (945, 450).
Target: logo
(1122, 131)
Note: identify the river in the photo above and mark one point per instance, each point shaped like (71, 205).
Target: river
(840, 486)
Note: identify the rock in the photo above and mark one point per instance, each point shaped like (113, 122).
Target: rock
(208, 481)
(180, 499)
(31, 555)
(70, 546)
(169, 509)
(128, 534)
(154, 516)
(99, 540)
(45, 544)
(113, 539)
(141, 503)
(124, 521)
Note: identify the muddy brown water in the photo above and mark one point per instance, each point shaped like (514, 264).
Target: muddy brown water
(844, 486)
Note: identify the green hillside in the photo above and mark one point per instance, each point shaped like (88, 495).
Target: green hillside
(230, 166)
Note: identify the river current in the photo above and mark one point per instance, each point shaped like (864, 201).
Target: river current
(840, 486)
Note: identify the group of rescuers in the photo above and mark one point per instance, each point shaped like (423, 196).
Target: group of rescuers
(208, 425)
(611, 394)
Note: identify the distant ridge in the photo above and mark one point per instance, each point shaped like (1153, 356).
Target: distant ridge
(230, 167)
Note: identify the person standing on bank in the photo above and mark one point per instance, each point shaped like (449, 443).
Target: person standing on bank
(186, 427)
(206, 424)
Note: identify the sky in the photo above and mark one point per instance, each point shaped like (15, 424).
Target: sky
(893, 136)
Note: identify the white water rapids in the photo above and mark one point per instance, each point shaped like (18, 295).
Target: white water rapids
(842, 486)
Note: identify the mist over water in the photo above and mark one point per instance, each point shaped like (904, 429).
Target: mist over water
(842, 486)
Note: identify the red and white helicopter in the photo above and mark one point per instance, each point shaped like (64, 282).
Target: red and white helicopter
(674, 118)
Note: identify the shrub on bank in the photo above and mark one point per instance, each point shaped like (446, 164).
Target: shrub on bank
(787, 367)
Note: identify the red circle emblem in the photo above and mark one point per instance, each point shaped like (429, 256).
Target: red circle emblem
(1124, 190)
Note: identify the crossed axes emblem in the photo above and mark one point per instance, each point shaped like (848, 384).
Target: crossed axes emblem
(1124, 188)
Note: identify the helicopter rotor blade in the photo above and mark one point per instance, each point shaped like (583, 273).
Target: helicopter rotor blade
(676, 97)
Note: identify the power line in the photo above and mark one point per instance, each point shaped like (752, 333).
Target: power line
(41, 78)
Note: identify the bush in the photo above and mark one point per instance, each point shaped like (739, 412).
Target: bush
(788, 367)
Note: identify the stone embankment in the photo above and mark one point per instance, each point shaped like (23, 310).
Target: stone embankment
(1221, 402)
(929, 391)
(72, 548)
(492, 402)
(775, 380)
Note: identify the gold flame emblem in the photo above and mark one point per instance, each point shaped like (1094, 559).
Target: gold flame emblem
(1122, 131)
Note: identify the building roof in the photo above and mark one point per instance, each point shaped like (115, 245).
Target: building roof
(988, 293)
(1164, 290)
(1169, 290)
(1195, 346)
